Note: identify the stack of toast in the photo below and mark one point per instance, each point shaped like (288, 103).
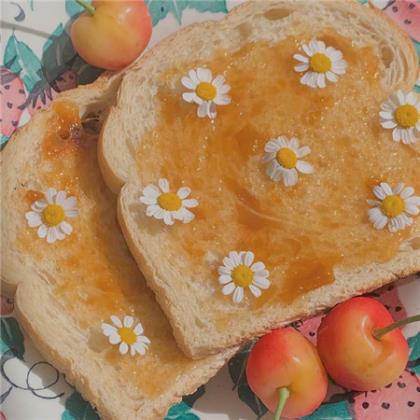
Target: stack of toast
(159, 218)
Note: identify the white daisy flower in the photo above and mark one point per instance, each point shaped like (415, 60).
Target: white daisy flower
(206, 91)
(128, 336)
(49, 214)
(169, 206)
(401, 114)
(393, 207)
(320, 63)
(238, 272)
(283, 157)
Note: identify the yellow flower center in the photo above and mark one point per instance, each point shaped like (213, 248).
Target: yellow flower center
(242, 275)
(53, 215)
(406, 115)
(169, 201)
(127, 335)
(393, 205)
(320, 63)
(206, 91)
(286, 157)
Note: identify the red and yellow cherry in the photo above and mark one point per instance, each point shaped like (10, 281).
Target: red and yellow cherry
(111, 33)
(360, 345)
(285, 372)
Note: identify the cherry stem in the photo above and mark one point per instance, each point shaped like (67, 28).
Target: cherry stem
(283, 396)
(378, 333)
(87, 6)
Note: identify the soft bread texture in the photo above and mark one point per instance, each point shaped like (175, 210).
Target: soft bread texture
(272, 21)
(81, 352)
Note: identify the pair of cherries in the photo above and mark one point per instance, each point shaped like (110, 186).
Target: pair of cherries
(358, 344)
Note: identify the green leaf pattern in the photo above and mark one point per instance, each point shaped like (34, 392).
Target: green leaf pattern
(76, 408)
(159, 9)
(11, 337)
(20, 59)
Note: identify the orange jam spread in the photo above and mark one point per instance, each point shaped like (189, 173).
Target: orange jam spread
(303, 232)
(93, 272)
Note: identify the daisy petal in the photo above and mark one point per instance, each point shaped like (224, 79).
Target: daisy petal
(412, 209)
(128, 321)
(51, 192)
(407, 192)
(114, 338)
(183, 192)
(398, 188)
(138, 329)
(151, 191)
(39, 205)
(225, 279)
(189, 97)
(203, 109)
(60, 198)
(228, 262)
(190, 203)
(396, 134)
(228, 289)
(301, 67)
(248, 258)
(218, 81)
(34, 219)
(116, 321)
(204, 75)
(290, 177)
(261, 282)
(168, 218)
(386, 188)
(300, 57)
(164, 185)
(70, 203)
(304, 167)
(258, 266)
(379, 192)
(254, 290)
(271, 147)
(238, 295)
(107, 329)
(51, 235)
(413, 201)
(143, 339)
(303, 151)
(66, 228)
(235, 257)
(123, 348)
(188, 83)
(42, 231)
(148, 200)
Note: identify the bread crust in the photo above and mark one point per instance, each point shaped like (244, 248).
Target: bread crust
(121, 136)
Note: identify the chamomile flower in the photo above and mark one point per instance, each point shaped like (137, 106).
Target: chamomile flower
(283, 158)
(401, 114)
(49, 215)
(206, 92)
(128, 336)
(393, 206)
(239, 272)
(321, 63)
(169, 206)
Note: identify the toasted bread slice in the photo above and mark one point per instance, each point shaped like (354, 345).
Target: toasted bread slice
(66, 289)
(315, 238)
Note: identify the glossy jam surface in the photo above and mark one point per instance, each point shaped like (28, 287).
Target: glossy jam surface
(94, 274)
(301, 233)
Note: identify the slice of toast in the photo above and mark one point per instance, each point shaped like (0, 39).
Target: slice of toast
(65, 290)
(315, 238)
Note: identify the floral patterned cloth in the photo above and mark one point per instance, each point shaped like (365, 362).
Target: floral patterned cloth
(38, 63)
